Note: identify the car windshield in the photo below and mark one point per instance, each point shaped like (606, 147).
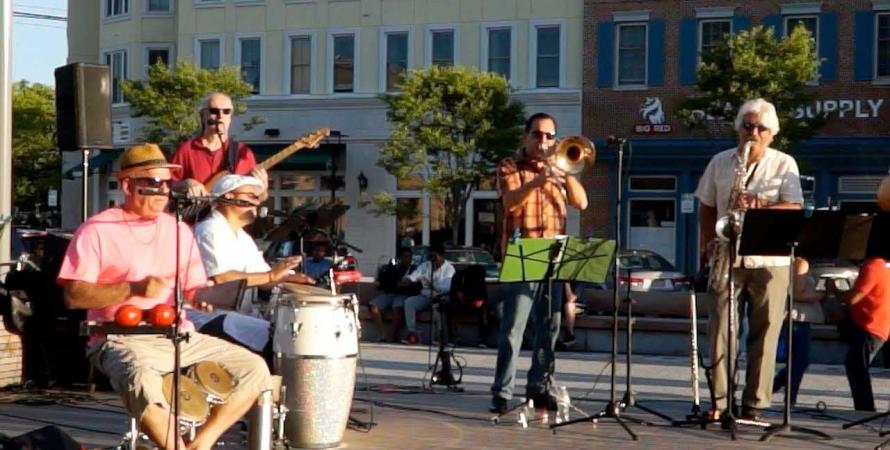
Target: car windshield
(469, 257)
(645, 261)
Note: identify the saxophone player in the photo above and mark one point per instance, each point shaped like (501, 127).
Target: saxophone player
(730, 185)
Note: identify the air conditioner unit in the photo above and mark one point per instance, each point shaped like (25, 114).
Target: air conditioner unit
(120, 132)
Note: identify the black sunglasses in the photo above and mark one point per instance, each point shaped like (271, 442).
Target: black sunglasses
(748, 126)
(218, 111)
(538, 134)
(151, 182)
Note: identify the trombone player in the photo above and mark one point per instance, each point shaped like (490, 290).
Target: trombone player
(535, 190)
(732, 183)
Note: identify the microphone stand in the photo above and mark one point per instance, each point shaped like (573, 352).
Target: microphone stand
(177, 324)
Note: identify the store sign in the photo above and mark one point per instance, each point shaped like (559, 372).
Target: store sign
(842, 109)
(652, 112)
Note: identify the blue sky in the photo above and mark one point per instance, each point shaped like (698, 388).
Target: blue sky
(38, 46)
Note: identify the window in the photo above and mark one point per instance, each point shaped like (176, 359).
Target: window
(442, 48)
(162, 6)
(711, 32)
(300, 64)
(547, 69)
(209, 54)
(631, 54)
(117, 65)
(811, 23)
(344, 63)
(250, 59)
(115, 8)
(883, 46)
(499, 51)
(396, 59)
(154, 54)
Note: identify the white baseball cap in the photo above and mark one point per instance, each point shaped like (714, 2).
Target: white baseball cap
(229, 183)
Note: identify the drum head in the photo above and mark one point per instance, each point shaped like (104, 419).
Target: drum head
(193, 405)
(302, 294)
(214, 379)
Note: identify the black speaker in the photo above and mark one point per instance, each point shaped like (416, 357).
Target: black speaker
(46, 438)
(83, 107)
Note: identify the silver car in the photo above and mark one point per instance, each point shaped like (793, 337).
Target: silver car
(645, 270)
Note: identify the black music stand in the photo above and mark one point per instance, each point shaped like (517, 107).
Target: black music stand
(778, 232)
(547, 260)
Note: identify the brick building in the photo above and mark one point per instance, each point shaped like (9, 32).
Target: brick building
(640, 59)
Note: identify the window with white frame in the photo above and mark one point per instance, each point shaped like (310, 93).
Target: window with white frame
(711, 32)
(117, 66)
(882, 65)
(396, 58)
(547, 58)
(250, 58)
(499, 51)
(442, 48)
(811, 23)
(116, 8)
(157, 54)
(209, 53)
(631, 54)
(158, 6)
(344, 63)
(300, 64)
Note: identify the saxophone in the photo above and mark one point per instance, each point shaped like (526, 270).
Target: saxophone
(729, 226)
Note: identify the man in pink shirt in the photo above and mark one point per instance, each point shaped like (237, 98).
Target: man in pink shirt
(125, 256)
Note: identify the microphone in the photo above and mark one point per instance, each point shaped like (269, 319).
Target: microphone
(176, 195)
(612, 140)
(265, 211)
(212, 121)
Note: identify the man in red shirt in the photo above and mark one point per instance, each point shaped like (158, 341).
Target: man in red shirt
(866, 327)
(207, 154)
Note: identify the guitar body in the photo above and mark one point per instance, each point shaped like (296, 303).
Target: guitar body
(194, 213)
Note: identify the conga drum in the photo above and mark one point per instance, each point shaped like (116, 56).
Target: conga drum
(315, 345)
(193, 406)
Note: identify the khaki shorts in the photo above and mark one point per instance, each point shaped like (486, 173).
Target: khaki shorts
(136, 364)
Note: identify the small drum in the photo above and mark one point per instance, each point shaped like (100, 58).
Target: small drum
(193, 406)
(214, 380)
(316, 344)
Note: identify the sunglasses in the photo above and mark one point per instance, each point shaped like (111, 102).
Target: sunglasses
(249, 195)
(748, 126)
(151, 182)
(538, 134)
(218, 111)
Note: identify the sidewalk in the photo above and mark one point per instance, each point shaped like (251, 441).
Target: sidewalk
(389, 386)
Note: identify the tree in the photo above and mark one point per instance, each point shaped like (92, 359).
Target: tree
(752, 64)
(170, 98)
(35, 159)
(451, 126)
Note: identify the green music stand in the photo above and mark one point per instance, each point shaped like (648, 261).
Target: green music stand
(575, 259)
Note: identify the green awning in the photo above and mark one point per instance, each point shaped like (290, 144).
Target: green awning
(306, 159)
(97, 162)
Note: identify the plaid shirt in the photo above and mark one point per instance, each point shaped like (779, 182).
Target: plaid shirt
(543, 214)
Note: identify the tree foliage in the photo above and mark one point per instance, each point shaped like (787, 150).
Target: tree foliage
(35, 159)
(170, 98)
(752, 64)
(451, 126)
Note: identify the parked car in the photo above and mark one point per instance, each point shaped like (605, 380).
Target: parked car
(645, 270)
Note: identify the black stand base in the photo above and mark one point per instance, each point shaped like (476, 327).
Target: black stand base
(611, 411)
(630, 402)
(444, 376)
(778, 430)
(867, 419)
(695, 418)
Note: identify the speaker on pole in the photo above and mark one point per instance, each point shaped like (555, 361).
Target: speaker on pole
(83, 107)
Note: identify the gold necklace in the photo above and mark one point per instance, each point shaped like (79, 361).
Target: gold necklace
(154, 236)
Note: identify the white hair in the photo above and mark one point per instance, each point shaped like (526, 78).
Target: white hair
(762, 108)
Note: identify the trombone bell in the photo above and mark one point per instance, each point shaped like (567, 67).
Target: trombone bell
(573, 154)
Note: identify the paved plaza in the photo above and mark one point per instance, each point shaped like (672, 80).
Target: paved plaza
(407, 417)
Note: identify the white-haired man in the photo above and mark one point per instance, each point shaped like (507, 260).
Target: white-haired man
(771, 180)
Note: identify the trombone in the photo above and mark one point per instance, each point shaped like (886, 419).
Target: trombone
(573, 154)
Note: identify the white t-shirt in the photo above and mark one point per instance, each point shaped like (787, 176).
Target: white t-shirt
(435, 283)
(775, 178)
(223, 249)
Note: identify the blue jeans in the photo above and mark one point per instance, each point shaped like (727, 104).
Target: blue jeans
(248, 331)
(800, 357)
(521, 300)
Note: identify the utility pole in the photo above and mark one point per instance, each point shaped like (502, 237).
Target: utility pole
(5, 124)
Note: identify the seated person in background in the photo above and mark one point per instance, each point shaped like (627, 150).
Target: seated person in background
(122, 256)
(230, 254)
(866, 326)
(807, 310)
(569, 312)
(469, 294)
(392, 297)
(317, 265)
(434, 276)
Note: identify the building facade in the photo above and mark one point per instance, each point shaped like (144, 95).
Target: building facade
(320, 63)
(640, 60)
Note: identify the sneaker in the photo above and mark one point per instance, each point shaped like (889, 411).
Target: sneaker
(411, 339)
(569, 340)
(752, 414)
(543, 400)
(498, 405)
